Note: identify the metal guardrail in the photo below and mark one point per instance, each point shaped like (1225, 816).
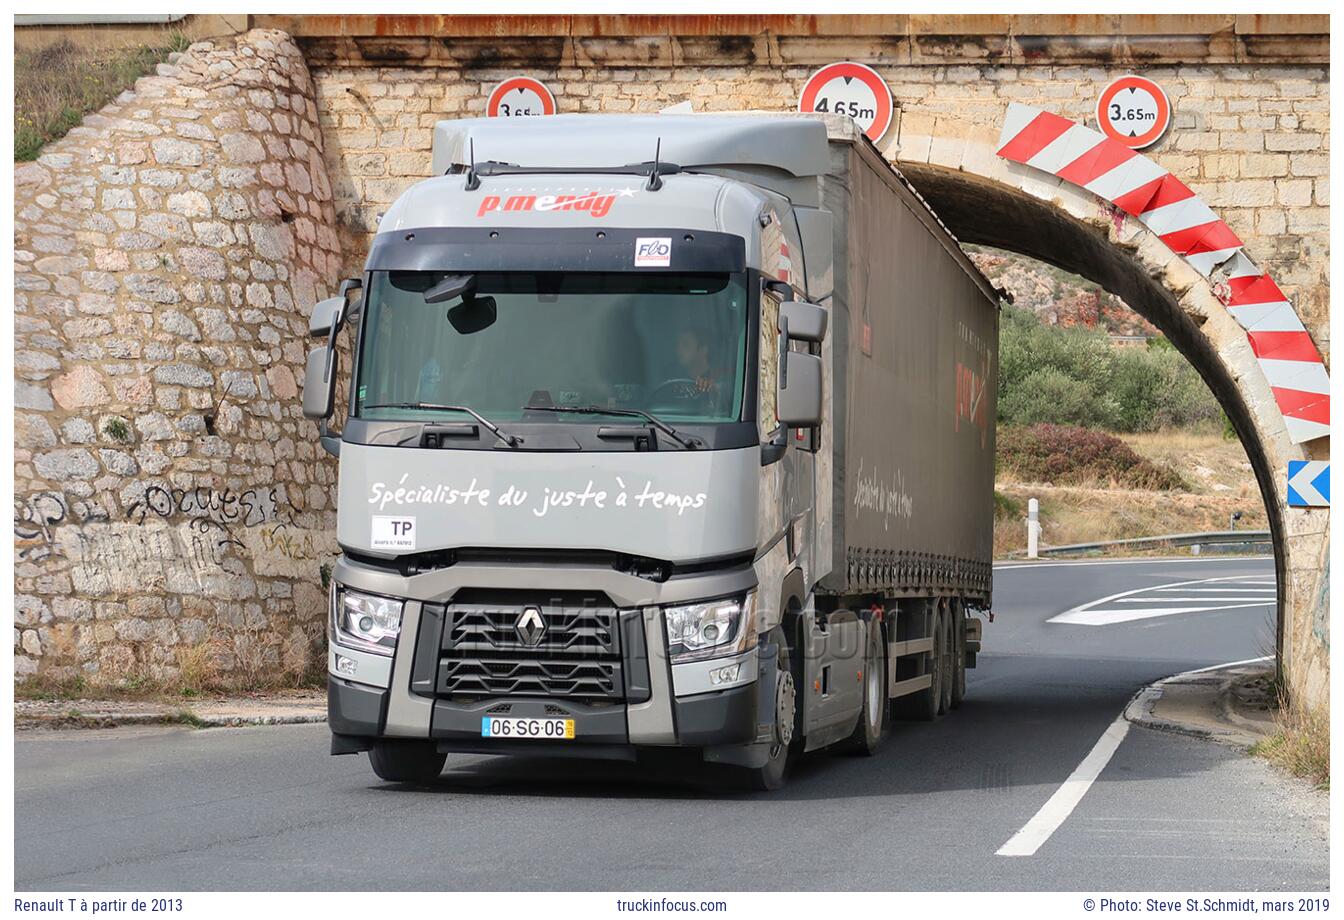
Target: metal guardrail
(1213, 538)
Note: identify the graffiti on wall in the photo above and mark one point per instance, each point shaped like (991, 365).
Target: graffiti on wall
(193, 540)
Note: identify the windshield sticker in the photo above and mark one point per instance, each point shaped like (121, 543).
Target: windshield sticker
(393, 533)
(550, 500)
(597, 204)
(653, 252)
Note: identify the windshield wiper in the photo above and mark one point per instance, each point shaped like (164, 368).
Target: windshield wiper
(439, 407)
(690, 443)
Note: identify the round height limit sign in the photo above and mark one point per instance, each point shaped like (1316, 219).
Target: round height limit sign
(847, 88)
(520, 96)
(1134, 111)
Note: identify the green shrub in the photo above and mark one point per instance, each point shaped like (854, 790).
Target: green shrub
(1075, 376)
(1006, 507)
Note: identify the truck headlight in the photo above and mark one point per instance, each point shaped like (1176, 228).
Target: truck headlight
(365, 621)
(711, 629)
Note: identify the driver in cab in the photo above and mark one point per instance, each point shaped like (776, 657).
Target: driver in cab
(708, 383)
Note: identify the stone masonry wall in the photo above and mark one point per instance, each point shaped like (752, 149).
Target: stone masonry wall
(172, 507)
(1252, 140)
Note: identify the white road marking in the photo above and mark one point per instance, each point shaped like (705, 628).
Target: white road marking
(1059, 806)
(1111, 617)
(1230, 664)
(1245, 590)
(1066, 798)
(1012, 566)
(1200, 598)
(1162, 597)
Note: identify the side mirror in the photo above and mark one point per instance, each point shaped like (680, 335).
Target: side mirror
(327, 315)
(799, 402)
(319, 384)
(806, 321)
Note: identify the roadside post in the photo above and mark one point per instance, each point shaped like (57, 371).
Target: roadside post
(1033, 528)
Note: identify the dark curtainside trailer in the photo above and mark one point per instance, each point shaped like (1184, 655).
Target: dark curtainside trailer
(915, 373)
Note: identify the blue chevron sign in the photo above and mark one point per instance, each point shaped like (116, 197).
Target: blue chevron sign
(1309, 483)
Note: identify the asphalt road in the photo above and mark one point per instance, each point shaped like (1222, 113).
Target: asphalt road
(267, 808)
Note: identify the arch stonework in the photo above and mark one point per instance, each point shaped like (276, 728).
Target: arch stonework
(967, 154)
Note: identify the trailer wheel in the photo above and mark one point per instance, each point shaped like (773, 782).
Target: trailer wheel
(959, 669)
(925, 705)
(873, 714)
(947, 666)
(406, 761)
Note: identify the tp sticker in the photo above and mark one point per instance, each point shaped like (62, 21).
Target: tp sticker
(393, 532)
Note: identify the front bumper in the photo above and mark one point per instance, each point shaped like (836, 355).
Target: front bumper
(407, 706)
(357, 717)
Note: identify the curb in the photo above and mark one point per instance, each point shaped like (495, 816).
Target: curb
(1224, 724)
(76, 714)
(240, 721)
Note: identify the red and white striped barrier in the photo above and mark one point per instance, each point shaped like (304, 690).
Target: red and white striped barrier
(1170, 209)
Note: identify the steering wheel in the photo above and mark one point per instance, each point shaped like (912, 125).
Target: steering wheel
(680, 388)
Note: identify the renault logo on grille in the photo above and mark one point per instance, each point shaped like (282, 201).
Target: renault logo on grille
(530, 626)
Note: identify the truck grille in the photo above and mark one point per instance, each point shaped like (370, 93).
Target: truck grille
(576, 656)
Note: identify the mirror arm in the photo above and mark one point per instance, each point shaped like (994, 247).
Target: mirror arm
(331, 350)
(783, 352)
(773, 450)
(331, 443)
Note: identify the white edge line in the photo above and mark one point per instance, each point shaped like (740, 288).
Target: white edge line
(1059, 806)
(1010, 566)
(1216, 667)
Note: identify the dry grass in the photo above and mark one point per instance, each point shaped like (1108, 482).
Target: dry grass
(1209, 462)
(1073, 514)
(244, 662)
(1301, 746)
(1218, 479)
(196, 668)
(56, 86)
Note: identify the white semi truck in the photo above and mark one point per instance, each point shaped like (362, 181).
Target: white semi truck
(662, 432)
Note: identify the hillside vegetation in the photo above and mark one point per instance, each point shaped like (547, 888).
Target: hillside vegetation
(56, 86)
(1076, 376)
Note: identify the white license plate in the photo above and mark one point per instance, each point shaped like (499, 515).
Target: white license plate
(528, 729)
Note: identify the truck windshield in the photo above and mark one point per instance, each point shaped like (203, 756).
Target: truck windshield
(673, 345)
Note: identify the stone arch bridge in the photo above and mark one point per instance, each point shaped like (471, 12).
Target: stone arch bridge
(1250, 136)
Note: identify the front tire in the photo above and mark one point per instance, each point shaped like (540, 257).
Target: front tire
(786, 738)
(406, 761)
